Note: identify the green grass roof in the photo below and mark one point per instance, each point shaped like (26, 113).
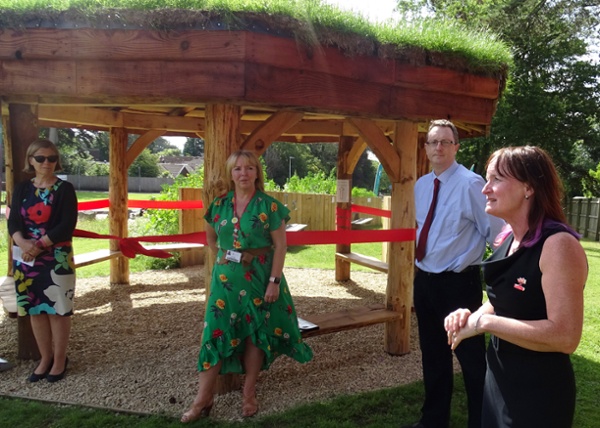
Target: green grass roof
(424, 42)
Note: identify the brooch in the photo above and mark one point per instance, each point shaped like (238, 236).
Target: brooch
(520, 285)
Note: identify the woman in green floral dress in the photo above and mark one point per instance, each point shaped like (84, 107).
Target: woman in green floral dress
(250, 318)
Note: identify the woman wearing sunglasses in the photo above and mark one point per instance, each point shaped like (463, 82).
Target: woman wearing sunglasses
(42, 218)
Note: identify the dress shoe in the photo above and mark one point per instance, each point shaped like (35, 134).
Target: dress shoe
(197, 412)
(55, 378)
(34, 377)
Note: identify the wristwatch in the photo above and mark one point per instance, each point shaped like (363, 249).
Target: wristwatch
(275, 279)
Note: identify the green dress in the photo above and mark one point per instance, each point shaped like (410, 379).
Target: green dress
(236, 309)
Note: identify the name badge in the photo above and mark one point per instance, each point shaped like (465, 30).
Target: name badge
(233, 256)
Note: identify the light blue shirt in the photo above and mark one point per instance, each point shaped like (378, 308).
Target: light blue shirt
(460, 226)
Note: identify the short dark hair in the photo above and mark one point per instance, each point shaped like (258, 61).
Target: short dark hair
(445, 123)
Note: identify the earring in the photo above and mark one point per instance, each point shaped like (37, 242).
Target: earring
(526, 196)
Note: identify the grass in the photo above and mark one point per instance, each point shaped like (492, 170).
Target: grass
(384, 408)
(479, 49)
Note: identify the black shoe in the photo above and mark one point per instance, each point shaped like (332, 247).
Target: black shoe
(34, 377)
(55, 378)
(415, 425)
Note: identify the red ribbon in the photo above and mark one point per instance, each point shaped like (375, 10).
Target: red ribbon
(135, 203)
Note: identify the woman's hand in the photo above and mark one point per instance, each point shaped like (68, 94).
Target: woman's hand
(272, 293)
(458, 326)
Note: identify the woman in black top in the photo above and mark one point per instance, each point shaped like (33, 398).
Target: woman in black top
(43, 215)
(535, 281)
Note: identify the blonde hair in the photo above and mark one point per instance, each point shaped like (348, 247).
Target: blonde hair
(40, 143)
(253, 160)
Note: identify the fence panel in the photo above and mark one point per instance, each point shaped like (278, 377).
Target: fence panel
(584, 216)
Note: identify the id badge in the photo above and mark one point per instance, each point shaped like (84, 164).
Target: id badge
(233, 256)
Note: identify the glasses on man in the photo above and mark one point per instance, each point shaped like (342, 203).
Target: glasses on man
(444, 143)
(42, 159)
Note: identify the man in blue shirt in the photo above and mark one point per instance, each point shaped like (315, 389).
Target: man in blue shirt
(448, 275)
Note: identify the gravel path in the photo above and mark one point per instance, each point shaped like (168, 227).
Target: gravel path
(134, 347)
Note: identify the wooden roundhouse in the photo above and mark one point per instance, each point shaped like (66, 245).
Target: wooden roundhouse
(238, 86)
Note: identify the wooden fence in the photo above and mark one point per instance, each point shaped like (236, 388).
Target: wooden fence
(584, 216)
(318, 211)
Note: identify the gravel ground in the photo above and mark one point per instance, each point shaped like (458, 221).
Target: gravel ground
(134, 348)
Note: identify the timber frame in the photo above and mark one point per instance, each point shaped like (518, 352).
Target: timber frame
(237, 89)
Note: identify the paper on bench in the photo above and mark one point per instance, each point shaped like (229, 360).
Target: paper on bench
(305, 325)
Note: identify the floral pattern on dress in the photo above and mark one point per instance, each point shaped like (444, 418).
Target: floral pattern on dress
(236, 308)
(48, 286)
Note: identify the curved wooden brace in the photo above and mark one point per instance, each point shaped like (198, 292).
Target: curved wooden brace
(264, 135)
(140, 144)
(355, 153)
(380, 145)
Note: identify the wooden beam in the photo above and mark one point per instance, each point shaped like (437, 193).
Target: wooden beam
(222, 139)
(355, 153)
(117, 195)
(399, 291)
(264, 135)
(140, 144)
(342, 220)
(380, 145)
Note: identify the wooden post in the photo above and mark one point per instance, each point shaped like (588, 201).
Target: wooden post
(191, 221)
(399, 292)
(222, 138)
(117, 195)
(20, 130)
(343, 211)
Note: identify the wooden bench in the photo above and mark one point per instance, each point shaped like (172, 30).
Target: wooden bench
(295, 227)
(362, 221)
(86, 259)
(8, 295)
(348, 319)
(367, 261)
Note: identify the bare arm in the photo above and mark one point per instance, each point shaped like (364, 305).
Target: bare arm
(564, 271)
(211, 238)
(280, 248)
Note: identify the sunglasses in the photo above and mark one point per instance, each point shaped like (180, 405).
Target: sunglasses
(42, 159)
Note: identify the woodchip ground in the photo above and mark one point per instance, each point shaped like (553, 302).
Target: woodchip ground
(134, 348)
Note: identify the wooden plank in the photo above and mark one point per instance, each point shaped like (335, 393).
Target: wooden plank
(312, 91)
(448, 81)
(420, 105)
(348, 319)
(23, 77)
(367, 261)
(86, 259)
(89, 43)
(183, 80)
(98, 256)
(284, 52)
(8, 294)
(295, 227)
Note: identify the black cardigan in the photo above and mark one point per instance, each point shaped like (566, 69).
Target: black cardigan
(63, 218)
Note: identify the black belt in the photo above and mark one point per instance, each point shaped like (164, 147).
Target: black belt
(466, 271)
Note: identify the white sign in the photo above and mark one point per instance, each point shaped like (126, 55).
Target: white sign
(343, 191)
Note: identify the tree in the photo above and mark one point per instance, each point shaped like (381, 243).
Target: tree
(145, 165)
(552, 98)
(193, 147)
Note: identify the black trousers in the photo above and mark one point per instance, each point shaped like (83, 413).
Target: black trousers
(435, 296)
